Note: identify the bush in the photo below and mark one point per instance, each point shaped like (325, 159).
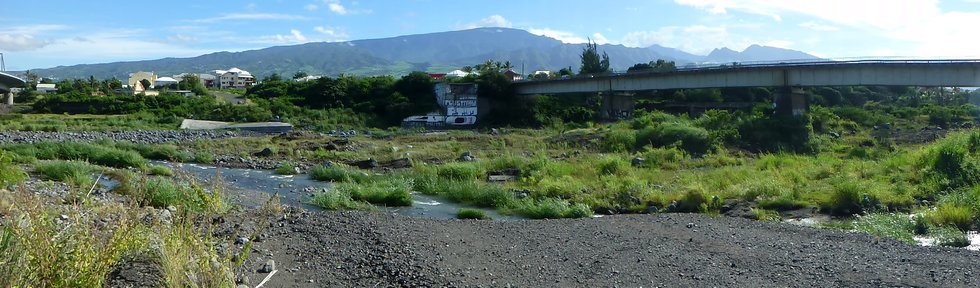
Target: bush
(695, 201)
(618, 140)
(765, 215)
(846, 199)
(612, 165)
(163, 192)
(694, 140)
(951, 215)
(477, 214)
(467, 192)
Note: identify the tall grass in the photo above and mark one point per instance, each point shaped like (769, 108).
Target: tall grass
(73, 172)
(337, 200)
(9, 172)
(390, 191)
(338, 173)
(93, 153)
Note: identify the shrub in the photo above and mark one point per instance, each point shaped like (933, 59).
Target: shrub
(694, 140)
(694, 201)
(618, 140)
(665, 158)
(468, 192)
(765, 215)
(477, 214)
(951, 215)
(92, 153)
(163, 192)
(846, 199)
(612, 165)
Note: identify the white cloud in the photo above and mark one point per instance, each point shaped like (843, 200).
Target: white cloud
(311, 7)
(819, 27)
(297, 35)
(331, 34)
(568, 37)
(25, 38)
(785, 44)
(252, 16)
(336, 7)
(922, 25)
(490, 21)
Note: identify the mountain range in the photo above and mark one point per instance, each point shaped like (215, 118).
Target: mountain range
(434, 52)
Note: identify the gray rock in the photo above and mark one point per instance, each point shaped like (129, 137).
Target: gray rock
(264, 153)
(268, 267)
(637, 161)
(241, 241)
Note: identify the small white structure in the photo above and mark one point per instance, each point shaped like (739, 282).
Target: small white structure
(164, 81)
(234, 78)
(456, 73)
(46, 88)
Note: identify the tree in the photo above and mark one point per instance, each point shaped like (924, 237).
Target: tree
(193, 83)
(591, 61)
(300, 74)
(660, 65)
(566, 72)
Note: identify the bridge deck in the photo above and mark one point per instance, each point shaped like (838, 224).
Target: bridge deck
(929, 73)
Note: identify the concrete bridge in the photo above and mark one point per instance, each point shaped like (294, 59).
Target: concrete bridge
(8, 81)
(789, 78)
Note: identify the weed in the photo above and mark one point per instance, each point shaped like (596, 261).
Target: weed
(550, 208)
(895, 226)
(457, 171)
(950, 237)
(765, 215)
(9, 173)
(465, 213)
(160, 170)
(74, 172)
(337, 200)
(612, 165)
(846, 199)
(337, 173)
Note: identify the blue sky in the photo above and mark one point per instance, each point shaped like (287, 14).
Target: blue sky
(41, 34)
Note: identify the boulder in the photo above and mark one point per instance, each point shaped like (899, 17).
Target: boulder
(264, 153)
(268, 267)
(370, 163)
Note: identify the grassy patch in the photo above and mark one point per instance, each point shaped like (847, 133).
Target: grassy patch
(951, 215)
(337, 200)
(74, 172)
(337, 173)
(477, 214)
(93, 153)
(550, 208)
(385, 191)
(895, 226)
(159, 170)
(950, 237)
(9, 172)
(286, 169)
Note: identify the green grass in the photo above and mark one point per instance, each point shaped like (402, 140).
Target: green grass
(9, 172)
(391, 191)
(337, 200)
(465, 213)
(458, 171)
(550, 208)
(895, 226)
(159, 170)
(184, 195)
(951, 215)
(285, 169)
(338, 173)
(75, 172)
(950, 237)
(92, 153)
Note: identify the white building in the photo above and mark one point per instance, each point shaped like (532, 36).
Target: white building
(234, 78)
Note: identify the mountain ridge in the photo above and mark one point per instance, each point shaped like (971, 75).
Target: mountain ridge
(437, 52)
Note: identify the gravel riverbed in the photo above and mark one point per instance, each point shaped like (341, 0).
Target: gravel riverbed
(372, 249)
(139, 136)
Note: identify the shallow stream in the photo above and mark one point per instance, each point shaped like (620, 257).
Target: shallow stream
(252, 187)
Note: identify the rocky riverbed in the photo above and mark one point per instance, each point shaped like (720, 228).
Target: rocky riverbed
(139, 136)
(372, 249)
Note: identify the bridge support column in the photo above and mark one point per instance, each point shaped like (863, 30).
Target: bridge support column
(8, 98)
(616, 106)
(791, 101)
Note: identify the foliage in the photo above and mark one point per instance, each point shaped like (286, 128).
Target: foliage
(694, 140)
(466, 213)
(337, 173)
(9, 173)
(337, 199)
(591, 61)
(95, 154)
(950, 237)
(286, 169)
(660, 65)
(951, 215)
(550, 208)
(386, 191)
(75, 172)
(895, 226)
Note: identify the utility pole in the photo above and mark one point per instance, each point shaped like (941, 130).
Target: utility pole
(3, 66)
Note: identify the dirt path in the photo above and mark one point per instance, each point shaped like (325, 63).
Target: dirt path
(365, 249)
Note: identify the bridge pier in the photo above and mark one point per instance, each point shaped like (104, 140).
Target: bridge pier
(8, 98)
(791, 101)
(616, 106)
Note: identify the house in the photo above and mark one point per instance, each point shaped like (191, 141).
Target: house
(138, 88)
(457, 74)
(513, 76)
(459, 107)
(141, 75)
(307, 78)
(234, 78)
(46, 88)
